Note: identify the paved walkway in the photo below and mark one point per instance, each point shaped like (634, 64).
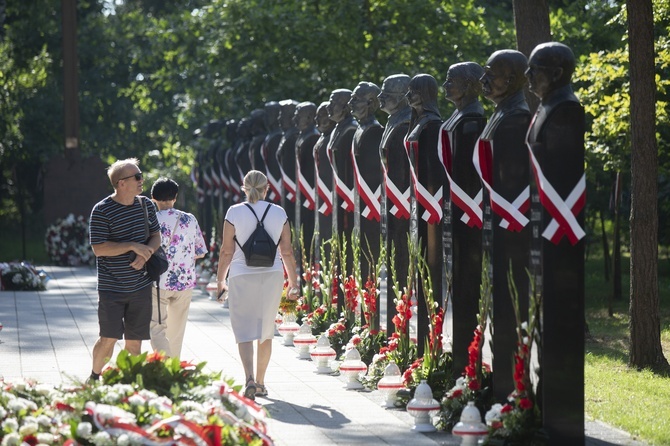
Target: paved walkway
(49, 336)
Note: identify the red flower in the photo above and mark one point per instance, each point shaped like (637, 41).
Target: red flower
(456, 393)
(525, 403)
(473, 385)
(155, 356)
(506, 408)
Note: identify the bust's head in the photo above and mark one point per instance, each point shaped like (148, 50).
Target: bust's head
(304, 115)
(550, 67)
(503, 75)
(272, 115)
(323, 122)
(364, 101)
(462, 85)
(392, 96)
(286, 112)
(257, 117)
(338, 105)
(422, 91)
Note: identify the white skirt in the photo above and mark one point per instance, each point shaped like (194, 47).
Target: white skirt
(253, 302)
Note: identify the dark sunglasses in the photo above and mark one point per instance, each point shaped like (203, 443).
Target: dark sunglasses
(138, 177)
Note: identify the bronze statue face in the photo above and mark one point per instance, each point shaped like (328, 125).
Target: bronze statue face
(392, 97)
(540, 80)
(455, 86)
(358, 104)
(303, 119)
(391, 101)
(323, 121)
(414, 97)
(338, 107)
(496, 80)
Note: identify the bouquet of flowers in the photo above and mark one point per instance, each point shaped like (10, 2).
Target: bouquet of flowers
(145, 399)
(436, 364)
(66, 242)
(519, 420)
(475, 384)
(367, 341)
(21, 276)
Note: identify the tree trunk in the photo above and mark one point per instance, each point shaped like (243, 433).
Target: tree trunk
(617, 293)
(531, 20)
(645, 331)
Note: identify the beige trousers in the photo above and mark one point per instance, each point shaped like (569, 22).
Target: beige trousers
(168, 336)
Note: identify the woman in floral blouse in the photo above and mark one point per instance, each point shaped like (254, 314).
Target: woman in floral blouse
(183, 243)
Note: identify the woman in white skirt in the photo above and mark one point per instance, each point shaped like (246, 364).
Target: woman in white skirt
(254, 292)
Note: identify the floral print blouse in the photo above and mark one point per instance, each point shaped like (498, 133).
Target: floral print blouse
(183, 242)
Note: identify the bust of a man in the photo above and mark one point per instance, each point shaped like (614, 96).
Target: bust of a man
(462, 88)
(549, 71)
(364, 103)
(502, 83)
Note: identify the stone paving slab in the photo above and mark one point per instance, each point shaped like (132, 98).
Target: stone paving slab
(49, 336)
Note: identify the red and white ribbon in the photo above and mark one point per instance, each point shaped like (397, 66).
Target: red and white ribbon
(400, 200)
(225, 182)
(512, 214)
(275, 185)
(307, 192)
(346, 194)
(472, 211)
(371, 199)
(326, 197)
(564, 213)
(432, 203)
(288, 184)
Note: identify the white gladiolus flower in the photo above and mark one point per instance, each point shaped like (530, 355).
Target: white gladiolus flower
(44, 421)
(10, 424)
(493, 414)
(524, 325)
(102, 439)
(136, 400)
(28, 429)
(84, 429)
(45, 438)
(12, 439)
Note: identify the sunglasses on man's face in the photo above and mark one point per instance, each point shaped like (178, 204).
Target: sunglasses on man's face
(138, 177)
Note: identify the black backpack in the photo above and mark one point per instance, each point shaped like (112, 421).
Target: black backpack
(259, 249)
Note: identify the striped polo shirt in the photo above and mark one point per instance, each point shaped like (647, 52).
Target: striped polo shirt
(114, 222)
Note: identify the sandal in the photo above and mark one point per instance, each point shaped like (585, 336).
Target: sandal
(250, 390)
(261, 390)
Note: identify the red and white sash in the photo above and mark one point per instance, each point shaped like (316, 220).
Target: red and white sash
(216, 181)
(326, 197)
(275, 186)
(307, 191)
(400, 200)
(564, 213)
(288, 184)
(371, 199)
(512, 214)
(472, 211)
(346, 194)
(225, 182)
(431, 203)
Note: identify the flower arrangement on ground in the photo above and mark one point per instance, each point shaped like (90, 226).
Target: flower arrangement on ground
(435, 365)
(198, 409)
(21, 276)
(519, 422)
(475, 384)
(324, 307)
(66, 242)
(400, 348)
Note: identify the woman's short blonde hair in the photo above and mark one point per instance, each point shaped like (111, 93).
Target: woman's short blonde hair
(255, 186)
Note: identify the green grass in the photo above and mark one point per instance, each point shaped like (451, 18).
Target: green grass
(632, 400)
(11, 244)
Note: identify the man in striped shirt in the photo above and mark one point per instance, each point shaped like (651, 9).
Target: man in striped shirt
(118, 236)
